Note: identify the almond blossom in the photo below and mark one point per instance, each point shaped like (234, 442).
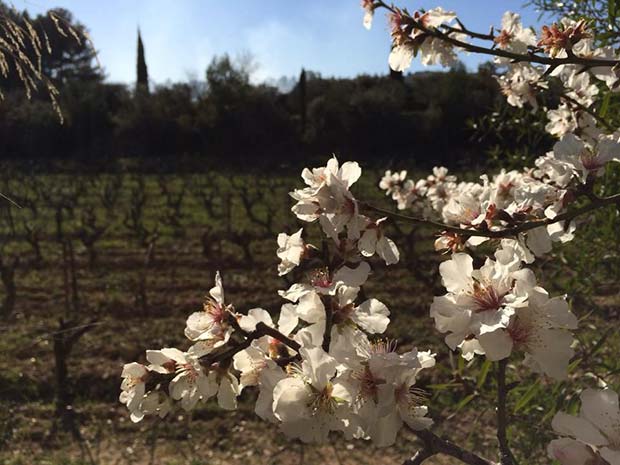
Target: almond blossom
(392, 183)
(322, 281)
(479, 301)
(596, 431)
(562, 120)
(133, 388)
(211, 323)
(407, 44)
(313, 400)
(560, 38)
(384, 393)
(584, 159)
(373, 241)
(327, 196)
(291, 250)
(540, 330)
(251, 361)
(513, 36)
(369, 11)
(193, 382)
(521, 84)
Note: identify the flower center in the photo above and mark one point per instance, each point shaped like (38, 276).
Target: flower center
(504, 38)
(322, 401)
(321, 278)
(170, 365)
(342, 314)
(589, 160)
(277, 349)
(215, 310)
(486, 297)
(369, 385)
(189, 371)
(409, 397)
(519, 333)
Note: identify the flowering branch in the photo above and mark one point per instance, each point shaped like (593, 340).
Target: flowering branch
(344, 379)
(530, 57)
(595, 204)
(261, 330)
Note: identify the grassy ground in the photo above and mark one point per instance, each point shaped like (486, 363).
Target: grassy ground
(159, 241)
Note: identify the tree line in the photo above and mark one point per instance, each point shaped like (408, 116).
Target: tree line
(226, 119)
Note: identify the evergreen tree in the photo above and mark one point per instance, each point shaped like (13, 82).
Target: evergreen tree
(142, 83)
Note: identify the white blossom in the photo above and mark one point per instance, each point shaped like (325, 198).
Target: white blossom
(540, 330)
(313, 401)
(374, 240)
(513, 37)
(479, 301)
(291, 250)
(596, 431)
(133, 388)
(211, 323)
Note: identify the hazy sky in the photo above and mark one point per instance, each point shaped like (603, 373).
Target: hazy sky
(182, 36)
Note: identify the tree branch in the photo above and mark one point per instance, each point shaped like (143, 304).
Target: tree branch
(261, 330)
(513, 231)
(434, 445)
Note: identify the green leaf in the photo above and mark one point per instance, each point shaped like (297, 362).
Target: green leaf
(441, 387)
(484, 371)
(611, 10)
(465, 401)
(605, 105)
(525, 398)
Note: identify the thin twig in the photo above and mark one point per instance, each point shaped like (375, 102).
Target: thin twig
(434, 445)
(419, 457)
(592, 113)
(506, 456)
(9, 200)
(261, 330)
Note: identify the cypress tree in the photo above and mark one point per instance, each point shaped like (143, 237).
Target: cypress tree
(302, 99)
(142, 82)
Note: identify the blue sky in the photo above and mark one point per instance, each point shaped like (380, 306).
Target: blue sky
(182, 36)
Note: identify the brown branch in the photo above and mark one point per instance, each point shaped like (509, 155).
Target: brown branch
(261, 330)
(463, 30)
(595, 204)
(434, 445)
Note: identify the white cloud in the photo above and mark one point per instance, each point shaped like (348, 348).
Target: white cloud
(278, 49)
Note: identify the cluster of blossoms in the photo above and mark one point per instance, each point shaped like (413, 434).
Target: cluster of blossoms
(436, 39)
(497, 308)
(510, 198)
(320, 366)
